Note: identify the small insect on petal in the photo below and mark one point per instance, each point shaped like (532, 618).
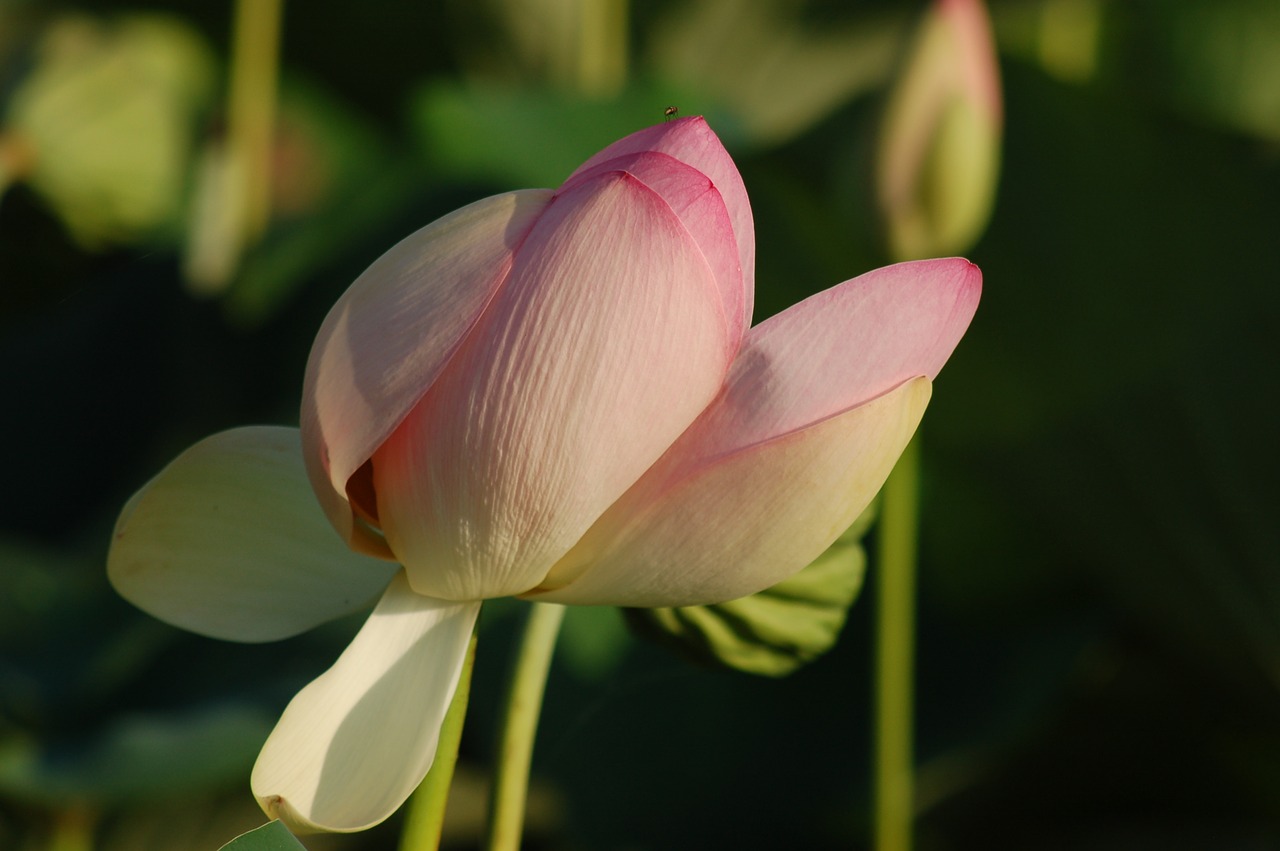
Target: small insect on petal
(671, 112)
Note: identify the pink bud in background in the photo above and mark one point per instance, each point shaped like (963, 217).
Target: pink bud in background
(938, 161)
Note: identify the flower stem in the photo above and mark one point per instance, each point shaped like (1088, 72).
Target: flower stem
(895, 651)
(602, 47)
(425, 818)
(520, 724)
(251, 105)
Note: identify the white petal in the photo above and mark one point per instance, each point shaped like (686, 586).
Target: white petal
(356, 742)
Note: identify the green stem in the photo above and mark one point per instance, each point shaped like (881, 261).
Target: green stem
(602, 47)
(895, 651)
(520, 724)
(425, 818)
(251, 106)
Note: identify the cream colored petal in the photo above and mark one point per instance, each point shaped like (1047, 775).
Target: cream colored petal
(746, 521)
(356, 742)
(229, 541)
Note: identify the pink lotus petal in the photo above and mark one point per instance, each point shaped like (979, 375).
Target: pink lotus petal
(606, 343)
(836, 350)
(746, 522)
(392, 333)
(698, 204)
(356, 742)
(692, 142)
(975, 53)
(820, 360)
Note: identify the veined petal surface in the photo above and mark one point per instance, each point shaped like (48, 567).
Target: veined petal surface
(746, 522)
(391, 334)
(691, 141)
(838, 349)
(356, 742)
(229, 541)
(607, 341)
(697, 203)
(800, 375)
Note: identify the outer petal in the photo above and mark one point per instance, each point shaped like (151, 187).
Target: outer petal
(228, 541)
(838, 349)
(748, 521)
(354, 744)
(603, 347)
(692, 142)
(802, 374)
(392, 333)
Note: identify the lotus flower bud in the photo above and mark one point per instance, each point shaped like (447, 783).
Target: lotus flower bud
(553, 394)
(939, 152)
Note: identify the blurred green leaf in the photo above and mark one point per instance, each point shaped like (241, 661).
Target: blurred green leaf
(776, 631)
(273, 836)
(1062, 36)
(593, 640)
(107, 119)
(1214, 60)
(1217, 59)
(137, 758)
(534, 137)
(780, 73)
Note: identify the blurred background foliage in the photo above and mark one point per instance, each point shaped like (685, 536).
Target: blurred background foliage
(1099, 648)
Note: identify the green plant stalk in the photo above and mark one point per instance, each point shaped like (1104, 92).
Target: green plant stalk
(73, 830)
(425, 818)
(602, 47)
(251, 107)
(895, 652)
(520, 725)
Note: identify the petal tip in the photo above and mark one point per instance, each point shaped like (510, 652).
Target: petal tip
(276, 807)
